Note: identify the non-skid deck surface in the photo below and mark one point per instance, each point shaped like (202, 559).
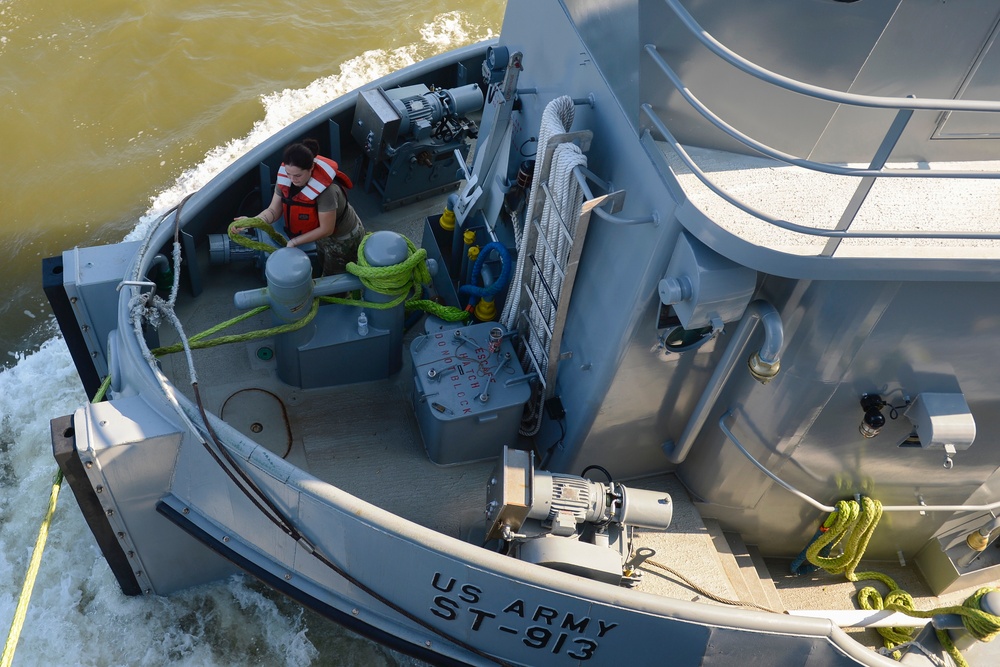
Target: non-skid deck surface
(818, 200)
(364, 439)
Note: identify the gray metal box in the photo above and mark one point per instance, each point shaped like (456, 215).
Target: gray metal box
(942, 420)
(91, 277)
(702, 285)
(376, 122)
(451, 371)
(335, 354)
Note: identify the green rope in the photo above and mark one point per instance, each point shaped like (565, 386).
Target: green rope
(198, 342)
(852, 525)
(398, 280)
(246, 223)
(21, 611)
(446, 313)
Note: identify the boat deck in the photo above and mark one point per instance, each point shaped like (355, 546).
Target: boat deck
(817, 200)
(364, 438)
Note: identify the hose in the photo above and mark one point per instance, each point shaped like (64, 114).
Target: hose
(489, 291)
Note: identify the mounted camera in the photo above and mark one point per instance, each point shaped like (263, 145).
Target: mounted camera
(873, 420)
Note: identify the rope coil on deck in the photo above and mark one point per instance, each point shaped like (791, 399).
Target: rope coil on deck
(853, 524)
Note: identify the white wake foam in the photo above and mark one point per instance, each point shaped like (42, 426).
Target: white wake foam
(78, 614)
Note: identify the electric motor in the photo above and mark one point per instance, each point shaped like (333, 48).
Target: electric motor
(570, 523)
(518, 493)
(595, 502)
(419, 113)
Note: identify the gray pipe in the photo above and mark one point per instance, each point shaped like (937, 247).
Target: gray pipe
(764, 365)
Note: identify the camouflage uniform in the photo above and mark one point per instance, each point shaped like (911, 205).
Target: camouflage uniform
(336, 252)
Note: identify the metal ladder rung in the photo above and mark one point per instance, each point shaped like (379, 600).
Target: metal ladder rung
(563, 227)
(541, 278)
(541, 316)
(548, 335)
(550, 252)
(537, 366)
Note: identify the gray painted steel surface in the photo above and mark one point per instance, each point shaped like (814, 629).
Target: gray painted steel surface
(892, 323)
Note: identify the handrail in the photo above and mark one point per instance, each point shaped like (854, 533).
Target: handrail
(809, 90)
(786, 224)
(829, 508)
(756, 311)
(582, 175)
(781, 156)
(841, 229)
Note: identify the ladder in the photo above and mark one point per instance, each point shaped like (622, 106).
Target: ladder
(544, 300)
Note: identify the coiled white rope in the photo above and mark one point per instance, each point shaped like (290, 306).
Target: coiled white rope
(556, 119)
(560, 210)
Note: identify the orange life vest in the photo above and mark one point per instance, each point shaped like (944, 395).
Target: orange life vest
(300, 211)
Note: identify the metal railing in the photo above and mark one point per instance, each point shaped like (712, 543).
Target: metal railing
(904, 106)
(921, 508)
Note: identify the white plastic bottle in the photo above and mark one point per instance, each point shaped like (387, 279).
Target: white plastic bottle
(362, 324)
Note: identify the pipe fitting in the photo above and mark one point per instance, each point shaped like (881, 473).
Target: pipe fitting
(764, 365)
(977, 541)
(763, 371)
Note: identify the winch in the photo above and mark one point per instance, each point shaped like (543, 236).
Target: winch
(567, 522)
(409, 137)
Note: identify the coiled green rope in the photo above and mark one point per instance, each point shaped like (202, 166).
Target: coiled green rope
(398, 280)
(401, 279)
(256, 223)
(853, 524)
(21, 610)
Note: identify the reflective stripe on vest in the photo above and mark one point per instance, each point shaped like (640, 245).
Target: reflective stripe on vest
(300, 212)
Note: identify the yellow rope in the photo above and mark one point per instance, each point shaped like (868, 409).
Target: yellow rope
(21, 611)
(397, 280)
(29, 579)
(853, 525)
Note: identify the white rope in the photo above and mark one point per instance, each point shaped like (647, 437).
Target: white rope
(556, 119)
(153, 309)
(560, 210)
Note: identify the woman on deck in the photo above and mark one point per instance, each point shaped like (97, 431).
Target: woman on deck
(311, 195)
